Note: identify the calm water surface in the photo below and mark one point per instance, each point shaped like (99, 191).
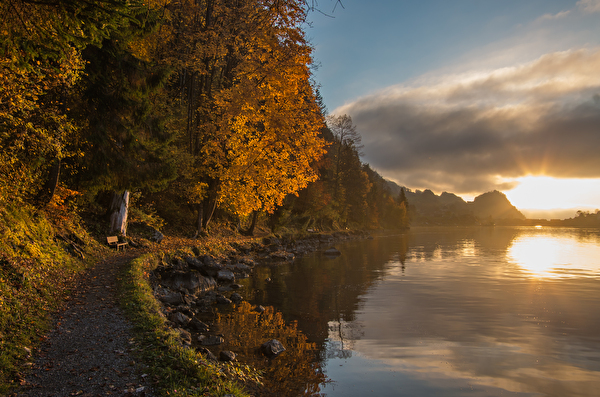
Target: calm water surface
(442, 312)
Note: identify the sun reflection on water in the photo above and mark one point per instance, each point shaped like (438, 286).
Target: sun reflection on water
(553, 257)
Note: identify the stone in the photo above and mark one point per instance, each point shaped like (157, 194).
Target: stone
(192, 282)
(180, 319)
(194, 263)
(332, 251)
(157, 237)
(272, 348)
(240, 268)
(207, 353)
(227, 355)
(169, 297)
(236, 298)
(259, 309)
(226, 276)
(221, 300)
(210, 340)
(282, 256)
(199, 325)
(185, 336)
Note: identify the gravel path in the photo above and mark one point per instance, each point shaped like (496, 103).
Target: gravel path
(90, 350)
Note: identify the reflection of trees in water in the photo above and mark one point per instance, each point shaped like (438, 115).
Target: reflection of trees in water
(441, 243)
(315, 294)
(297, 371)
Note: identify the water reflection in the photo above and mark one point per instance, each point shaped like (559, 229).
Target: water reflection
(449, 312)
(544, 255)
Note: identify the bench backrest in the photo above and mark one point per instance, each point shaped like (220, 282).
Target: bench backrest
(112, 239)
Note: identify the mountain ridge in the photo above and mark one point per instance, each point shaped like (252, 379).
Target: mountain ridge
(449, 209)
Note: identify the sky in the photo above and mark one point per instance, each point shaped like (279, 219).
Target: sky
(470, 96)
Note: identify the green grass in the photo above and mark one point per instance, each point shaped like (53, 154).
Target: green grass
(36, 271)
(175, 370)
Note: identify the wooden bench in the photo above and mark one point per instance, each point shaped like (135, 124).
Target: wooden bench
(113, 241)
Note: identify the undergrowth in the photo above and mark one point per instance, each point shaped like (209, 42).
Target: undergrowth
(37, 265)
(176, 370)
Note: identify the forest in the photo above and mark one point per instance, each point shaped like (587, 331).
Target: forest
(179, 114)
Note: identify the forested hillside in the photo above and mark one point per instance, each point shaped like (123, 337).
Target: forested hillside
(177, 113)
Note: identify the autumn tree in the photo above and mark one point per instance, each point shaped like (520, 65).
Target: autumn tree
(246, 103)
(40, 60)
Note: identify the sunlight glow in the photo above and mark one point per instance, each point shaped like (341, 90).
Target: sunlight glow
(547, 193)
(552, 257)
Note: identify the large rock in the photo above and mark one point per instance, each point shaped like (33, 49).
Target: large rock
(272, 348)
(227, 355)
(281, 256)
(180, 319)
(194, 263)
(169, 297)
(209, 267)
(236, 298)
(222, 300)
(226, 276)
(192, 282)
(210, 340)
(185, 336)
(157, 237)
(199, 325)
(207, 353)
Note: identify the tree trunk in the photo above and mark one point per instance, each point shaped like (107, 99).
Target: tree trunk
(47, 193)
(250, 231)
(119, 208)
(210, 204)
(199, 219)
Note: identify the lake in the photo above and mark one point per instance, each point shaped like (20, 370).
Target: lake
(488, 311)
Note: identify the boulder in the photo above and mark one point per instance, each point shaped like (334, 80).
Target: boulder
(210, 340)
(332, 251)
(226, 276)
(185, 336)
(199, 325)
(236, 298)
(169, 297)
(207, 353)
(157, 237)
(281, 256)
(226, 355)
(272, 348)
(192, 282)
(180, 319)
(221, 300)
(194, 263)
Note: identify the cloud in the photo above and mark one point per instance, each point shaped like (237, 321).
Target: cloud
(589, 6)
(467, 133)
(550, 17)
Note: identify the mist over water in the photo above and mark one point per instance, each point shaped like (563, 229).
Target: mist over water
(448, 312)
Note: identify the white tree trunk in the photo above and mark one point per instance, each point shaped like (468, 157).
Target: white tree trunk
(118, 212)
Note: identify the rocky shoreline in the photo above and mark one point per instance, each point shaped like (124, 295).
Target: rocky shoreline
(191, 287)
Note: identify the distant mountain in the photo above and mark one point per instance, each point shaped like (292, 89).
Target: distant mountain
(495, 205)
(448, 209)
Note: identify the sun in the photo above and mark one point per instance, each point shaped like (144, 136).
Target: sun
(548, 193)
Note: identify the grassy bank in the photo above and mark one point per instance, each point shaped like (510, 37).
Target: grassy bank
(38, 261)
(175, 370)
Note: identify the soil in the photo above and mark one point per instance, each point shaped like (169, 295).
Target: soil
(90, 351)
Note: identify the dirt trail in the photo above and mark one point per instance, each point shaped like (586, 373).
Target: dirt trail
(89, 351)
